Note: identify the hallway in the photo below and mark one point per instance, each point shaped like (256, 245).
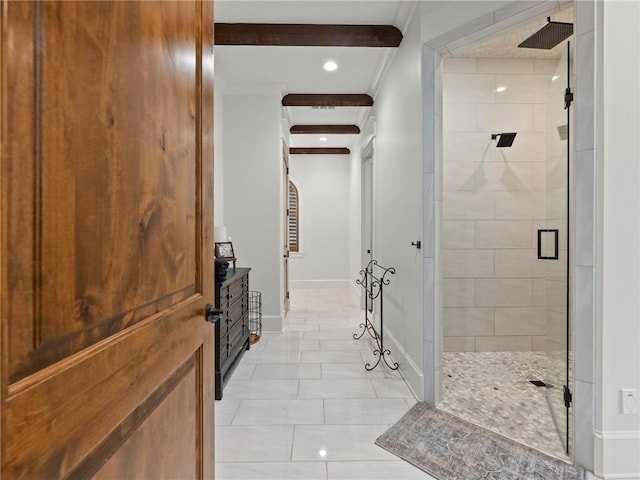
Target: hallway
(300, 405)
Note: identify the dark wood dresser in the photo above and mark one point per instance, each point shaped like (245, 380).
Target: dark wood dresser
(232, 330)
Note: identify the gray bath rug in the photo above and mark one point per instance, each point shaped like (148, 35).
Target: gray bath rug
(451, 449)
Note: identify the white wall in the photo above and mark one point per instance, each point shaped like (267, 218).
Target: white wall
(253, 195)
(218, 155)
(355, 216)
(323, 182)
(618, 319)
(398, 202)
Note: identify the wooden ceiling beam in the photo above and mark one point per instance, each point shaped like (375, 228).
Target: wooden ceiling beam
(328, 129)
(307, 35)
(327, 100)
(318, 151)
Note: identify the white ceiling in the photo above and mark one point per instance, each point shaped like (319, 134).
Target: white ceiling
(244, 69)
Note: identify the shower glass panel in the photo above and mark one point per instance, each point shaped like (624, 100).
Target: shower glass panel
(554, 244)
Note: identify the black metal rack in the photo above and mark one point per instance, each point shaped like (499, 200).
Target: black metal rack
(373, 281)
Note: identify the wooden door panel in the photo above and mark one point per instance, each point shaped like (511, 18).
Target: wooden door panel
(107, 220)
(168, 459)
(112, 175)
(108, 385)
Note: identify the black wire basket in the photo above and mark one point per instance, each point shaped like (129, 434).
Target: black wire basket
(255, 316)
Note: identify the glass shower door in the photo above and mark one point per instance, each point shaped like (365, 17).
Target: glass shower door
(553, 246)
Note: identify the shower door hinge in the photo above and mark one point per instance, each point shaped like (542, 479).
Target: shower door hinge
(568, 98)
(568, 397)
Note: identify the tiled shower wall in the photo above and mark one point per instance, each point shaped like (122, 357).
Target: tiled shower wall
(493, 203)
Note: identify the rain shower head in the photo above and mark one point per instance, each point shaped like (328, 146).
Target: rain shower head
(548, 36)
(505, 140)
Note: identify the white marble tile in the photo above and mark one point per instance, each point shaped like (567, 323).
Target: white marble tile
(584, 324)
(244, 371)
(504, 117)
(539, 118)
(523, 66)
(503, 344)
(336, 388)
(459, 344)
(356, 370)
(515, 263)
(520, 321)
(225, 410)
(329, 356)
(545, 66)
(338, 442)
(583, 407)
(468, 88)
(272, 471)
(391, 388)
(279, 412)
(584, 189)
(459, 117)
(468, 322)
(461, 205)
(397, 470)
(458, 234)
(467, 147)
(520, 205)
(510, 176)
(468, 264)
(361, 411)
(275, 371)
(302, 327)
(458, 292)
(504, 234)
(346, 345)
(512, 292)
(459, 176)
(273, 356)
(327, 335)
(523, 88)
(292, 344)
(242, 389)
(254, 443)
(585, 132)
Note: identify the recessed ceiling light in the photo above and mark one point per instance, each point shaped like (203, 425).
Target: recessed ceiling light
(323, 139)
(330, 66)
(501, 89)
(554, 78)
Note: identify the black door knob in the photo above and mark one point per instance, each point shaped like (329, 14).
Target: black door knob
(212, 314)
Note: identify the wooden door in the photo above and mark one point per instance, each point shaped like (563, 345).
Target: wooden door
(285, 223)
(106, 245)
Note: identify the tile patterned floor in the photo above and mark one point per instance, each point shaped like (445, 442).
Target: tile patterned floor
(492, 389)
(301, 406)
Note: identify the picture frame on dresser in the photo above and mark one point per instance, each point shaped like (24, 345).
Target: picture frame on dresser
(224, 251)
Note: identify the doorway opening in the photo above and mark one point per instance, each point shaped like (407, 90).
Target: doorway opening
(505, 240)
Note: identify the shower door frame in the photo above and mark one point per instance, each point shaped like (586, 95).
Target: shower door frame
(556, 394)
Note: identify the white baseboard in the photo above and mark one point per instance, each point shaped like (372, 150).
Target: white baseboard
(408, 368)
(617, 455)
(318, 284)
(272, 323)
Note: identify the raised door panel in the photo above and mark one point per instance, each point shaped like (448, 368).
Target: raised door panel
(107, 262)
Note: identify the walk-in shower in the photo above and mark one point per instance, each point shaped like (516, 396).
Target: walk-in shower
(505, 245)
